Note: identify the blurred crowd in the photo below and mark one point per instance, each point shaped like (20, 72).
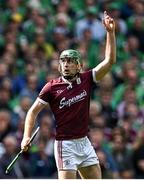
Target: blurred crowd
(32, 35)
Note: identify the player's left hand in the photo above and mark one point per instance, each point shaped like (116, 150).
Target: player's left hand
(108, 22)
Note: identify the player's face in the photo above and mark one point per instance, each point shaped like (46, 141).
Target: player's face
(69, 66)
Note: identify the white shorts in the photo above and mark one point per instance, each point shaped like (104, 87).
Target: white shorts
(75, 153)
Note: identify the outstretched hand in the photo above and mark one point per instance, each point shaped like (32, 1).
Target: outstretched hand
(108, 22)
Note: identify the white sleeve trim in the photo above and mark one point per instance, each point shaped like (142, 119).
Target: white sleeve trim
(94, 76)
(42, 101)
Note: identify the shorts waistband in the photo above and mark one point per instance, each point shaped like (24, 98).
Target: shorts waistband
(75, 140)
(79, 139)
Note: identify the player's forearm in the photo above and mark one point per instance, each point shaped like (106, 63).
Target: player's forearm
(29, 123)
(110, 52)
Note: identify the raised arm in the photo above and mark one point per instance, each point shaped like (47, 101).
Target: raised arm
(29, 122)
(110, 51)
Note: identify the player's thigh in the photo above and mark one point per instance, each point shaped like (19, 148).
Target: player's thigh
(90, 172)
(67, 174)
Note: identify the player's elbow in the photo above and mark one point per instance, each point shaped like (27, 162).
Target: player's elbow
(112, 60)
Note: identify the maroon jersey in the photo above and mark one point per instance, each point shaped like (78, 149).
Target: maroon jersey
(69, 104)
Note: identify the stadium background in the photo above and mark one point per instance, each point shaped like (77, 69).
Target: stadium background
(32, 35)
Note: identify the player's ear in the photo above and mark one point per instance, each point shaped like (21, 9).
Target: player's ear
(80, 66)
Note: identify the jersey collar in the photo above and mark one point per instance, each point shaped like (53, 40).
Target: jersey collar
(78, 81)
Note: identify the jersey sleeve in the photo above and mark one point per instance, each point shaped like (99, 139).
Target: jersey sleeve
(45, 95)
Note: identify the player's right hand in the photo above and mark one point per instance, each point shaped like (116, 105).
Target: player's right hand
(108, 22)
(25, 143)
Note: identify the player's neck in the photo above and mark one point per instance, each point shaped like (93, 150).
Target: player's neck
(71, 79)
(76, 78)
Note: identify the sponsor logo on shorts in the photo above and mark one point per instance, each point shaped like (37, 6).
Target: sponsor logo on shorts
(68, 102)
